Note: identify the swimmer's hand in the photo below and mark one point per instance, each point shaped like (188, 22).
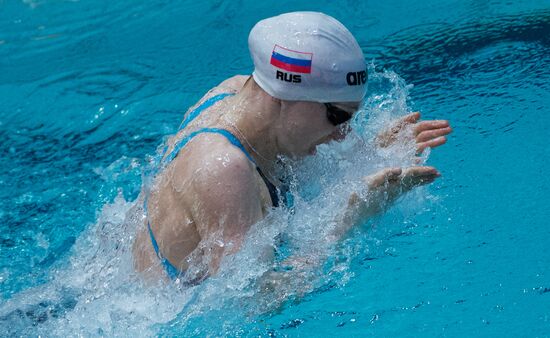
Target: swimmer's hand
(388, 184)
(427, 134)
(382, 189)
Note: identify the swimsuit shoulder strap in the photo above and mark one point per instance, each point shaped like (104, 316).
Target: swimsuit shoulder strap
(183, 142)
(187, 119)
(205, 105)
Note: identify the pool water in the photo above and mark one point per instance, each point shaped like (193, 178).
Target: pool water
(90, 89)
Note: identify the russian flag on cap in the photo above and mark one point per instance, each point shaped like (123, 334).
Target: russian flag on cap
(291, 60)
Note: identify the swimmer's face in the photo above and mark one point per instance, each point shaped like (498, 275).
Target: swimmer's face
(308, 124)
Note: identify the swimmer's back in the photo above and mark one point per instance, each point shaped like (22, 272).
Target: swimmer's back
(206, 172)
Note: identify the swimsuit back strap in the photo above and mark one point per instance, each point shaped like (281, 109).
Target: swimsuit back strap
(171, 270)
(183, 142)
(206, 104)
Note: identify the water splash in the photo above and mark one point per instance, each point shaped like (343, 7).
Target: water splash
(285, 257)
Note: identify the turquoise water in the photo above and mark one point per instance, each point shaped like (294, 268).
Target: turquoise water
(89, 90)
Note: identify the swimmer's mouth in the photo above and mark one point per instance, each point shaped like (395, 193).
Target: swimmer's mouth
(338, 135)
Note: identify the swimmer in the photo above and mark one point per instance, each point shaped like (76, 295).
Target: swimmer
(218, 175)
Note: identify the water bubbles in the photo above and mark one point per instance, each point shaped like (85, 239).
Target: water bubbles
(374, 318)
(42, 241)
(99, 113)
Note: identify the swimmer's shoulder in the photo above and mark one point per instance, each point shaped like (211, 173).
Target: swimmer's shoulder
(231, 85)
(218, 179)
(211, 160)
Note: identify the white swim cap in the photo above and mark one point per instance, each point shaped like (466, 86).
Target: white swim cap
(307, 56)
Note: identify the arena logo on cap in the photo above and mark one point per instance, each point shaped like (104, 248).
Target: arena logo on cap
(357, 78)
(291, 60)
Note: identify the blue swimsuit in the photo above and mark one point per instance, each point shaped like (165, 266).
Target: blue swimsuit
(172, 271)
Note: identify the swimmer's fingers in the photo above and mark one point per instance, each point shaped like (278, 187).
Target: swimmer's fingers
(406, 120)
(420, 172)
(410, 118)
(390, 134)
(416, 176)
(385, 186)
(430, 125)
(383, 177)
(431, 134)
(420, 147)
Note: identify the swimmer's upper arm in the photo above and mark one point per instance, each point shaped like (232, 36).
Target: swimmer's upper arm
(226, 202)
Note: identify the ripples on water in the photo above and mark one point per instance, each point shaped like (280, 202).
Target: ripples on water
(89, 90)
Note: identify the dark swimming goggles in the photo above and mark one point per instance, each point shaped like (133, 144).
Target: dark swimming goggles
(337, 116)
